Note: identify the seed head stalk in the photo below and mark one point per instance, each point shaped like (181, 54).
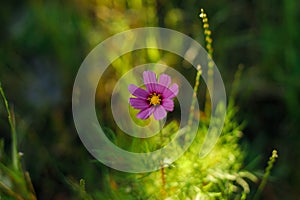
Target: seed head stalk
(210, 72)
(263, 183)
(196, 86)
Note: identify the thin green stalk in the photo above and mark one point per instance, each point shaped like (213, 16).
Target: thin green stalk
(11, 121)
(196, 86)
(235, 85)
(266, 175)
(161, 133)
(82, 185)
(83, 194)
(30, 186)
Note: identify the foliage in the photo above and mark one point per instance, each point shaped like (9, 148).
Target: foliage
(15, 183)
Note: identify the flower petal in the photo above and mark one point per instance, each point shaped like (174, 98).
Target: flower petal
(139, 103)
(159, 112)
(168, 104)
(164, 80)
(174, 89)
(171, 92)
(145, 114)
(150, 80)
(138, 92)
(159, 88)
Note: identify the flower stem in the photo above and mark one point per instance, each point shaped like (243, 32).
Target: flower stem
(161, 133)
(162, 169)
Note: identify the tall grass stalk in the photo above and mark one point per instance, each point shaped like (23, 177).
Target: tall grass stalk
(11, 121)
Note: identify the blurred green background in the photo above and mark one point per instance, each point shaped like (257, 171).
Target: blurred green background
(44, 42)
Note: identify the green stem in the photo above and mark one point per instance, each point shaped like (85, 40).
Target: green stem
(161, 133)
(196, 86)
(11, 121)
(266, 174)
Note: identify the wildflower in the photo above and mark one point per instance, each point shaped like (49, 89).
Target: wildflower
(156, 99)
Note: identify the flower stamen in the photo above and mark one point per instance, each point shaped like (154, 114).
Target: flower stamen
(154, 99)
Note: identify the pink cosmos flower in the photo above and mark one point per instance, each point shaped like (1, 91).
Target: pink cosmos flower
(156, 99)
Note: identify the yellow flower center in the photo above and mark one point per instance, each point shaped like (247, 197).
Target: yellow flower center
(154, 99)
